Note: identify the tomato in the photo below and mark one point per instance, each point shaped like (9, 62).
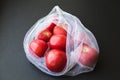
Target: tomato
(88, 56)
(38, 47)
(59, 30)
(45, 35)
(51, 26)
(58, 42)
(56, 60)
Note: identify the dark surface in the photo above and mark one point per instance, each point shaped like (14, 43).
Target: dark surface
(17, 16)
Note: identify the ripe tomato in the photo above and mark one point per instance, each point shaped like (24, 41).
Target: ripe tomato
(51, 26)
(58, 30)
(38, 47)
(56, 60)
(58, 42)
(88, 55)
(44, 35)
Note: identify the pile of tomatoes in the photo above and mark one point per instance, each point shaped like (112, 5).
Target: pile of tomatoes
(51, 44)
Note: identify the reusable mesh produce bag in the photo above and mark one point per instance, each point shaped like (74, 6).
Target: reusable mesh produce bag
(81, 46)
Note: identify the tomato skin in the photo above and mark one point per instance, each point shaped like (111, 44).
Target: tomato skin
(58, 30)
(45, 35)
(56, 60)
(58, 42)
(51, 27)
(38, 47)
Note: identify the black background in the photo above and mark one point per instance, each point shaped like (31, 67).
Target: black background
(99, 16)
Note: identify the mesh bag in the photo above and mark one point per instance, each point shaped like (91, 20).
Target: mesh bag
(81, 46)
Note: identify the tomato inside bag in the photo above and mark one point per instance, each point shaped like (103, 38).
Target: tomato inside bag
(59, 44)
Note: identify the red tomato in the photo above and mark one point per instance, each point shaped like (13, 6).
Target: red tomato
(45, 35)
(56, 60)
(58, 30)
(58, 42)
(88, 56)
(38, 47)
(51, 26)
